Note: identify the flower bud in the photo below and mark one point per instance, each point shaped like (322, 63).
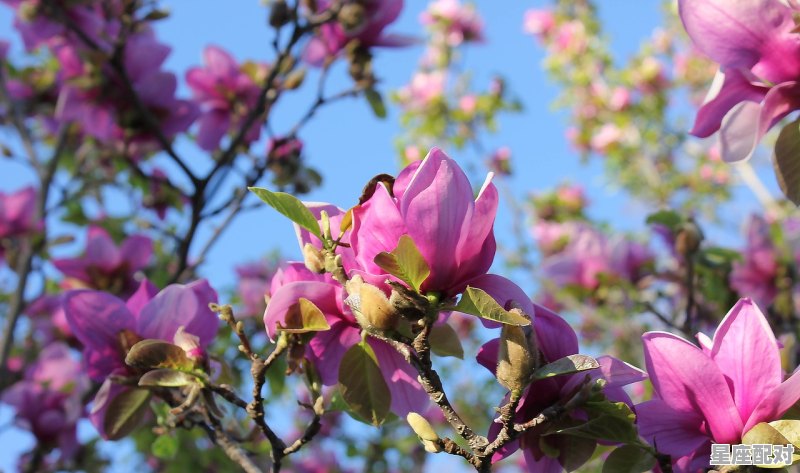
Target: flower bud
(351, 17)
(515, 361)
(421, 427)
(688, 238)
(313, 258)
(370, 306)
(279, 14)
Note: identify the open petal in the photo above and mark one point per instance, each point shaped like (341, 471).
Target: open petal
(727, 90)
(556, 337)
(689, 381)
(675, 433)
(144, 293)
(96, 318)
(407, 394)
(438, 200)
(327, 348)
(734, 33)
(101, 252)
(137, 250)
(322, 294)
(180, 306)
(747, 354)
(377, 227)
(738, 132)
(213, 126)
(477, 247)
(776, 402)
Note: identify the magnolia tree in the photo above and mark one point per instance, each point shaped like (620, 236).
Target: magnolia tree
(384, 342)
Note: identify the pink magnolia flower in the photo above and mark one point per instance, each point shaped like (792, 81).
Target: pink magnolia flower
(17, 215)
(423, 90)
(328, 347)
(590, 254)
(432, 202)
(254, 286)
(332, 36)
(758, 50)
(47, 316)
(555, 339)
(755, 275)
(716, 393)
(539, 23)
(48, 401)
(225, 94)
(500, 161)
(105, 265)
(108, 327)
(105, 110)
(460, 22)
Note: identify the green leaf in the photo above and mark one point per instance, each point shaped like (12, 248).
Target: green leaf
(303, 316)
(405, 262)
(289, 206)
(477, 302)
(376, 102)
(629, 459)
(165, 447)
(167, 378)
(124, 413)
(568, 365)
(152, 354)
(668, 218)
(787, 161)
(609, 421)
(362, 385)
(445, 341)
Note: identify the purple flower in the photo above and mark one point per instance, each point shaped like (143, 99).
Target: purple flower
(48, 401)
(328, 347)
(105, 265)
(460, 23)
(108, 327)
(716, 393)
(555, 339)
(755, 275)
(332, 36)
(18, 215)
(254, 286)
(106, 111)
(433, 203)
(225, 94)
(758, 50)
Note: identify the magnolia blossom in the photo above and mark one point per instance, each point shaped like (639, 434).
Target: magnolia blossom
(460, 22)
(715, 393)
(756, 274)
(17, 215)
(423, 90)
(758, 49)
(587, 254)
(555, 339)
(328, 347)
(539, 22)
(432, 202)
(333, 37)
(108, 327)
(254, 286)
(225, 94)
(105, 265)
(105, 109)
(49, 400)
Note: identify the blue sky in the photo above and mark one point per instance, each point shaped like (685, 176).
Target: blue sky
(348, 146)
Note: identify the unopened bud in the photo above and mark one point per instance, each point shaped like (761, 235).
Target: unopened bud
(370, 306)
(431, 447)
(407, 303)
(515, 362)
(351, 17)
(313, 258)
(279, 14)
(295, 79)
(688, 238)
(421, 427)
